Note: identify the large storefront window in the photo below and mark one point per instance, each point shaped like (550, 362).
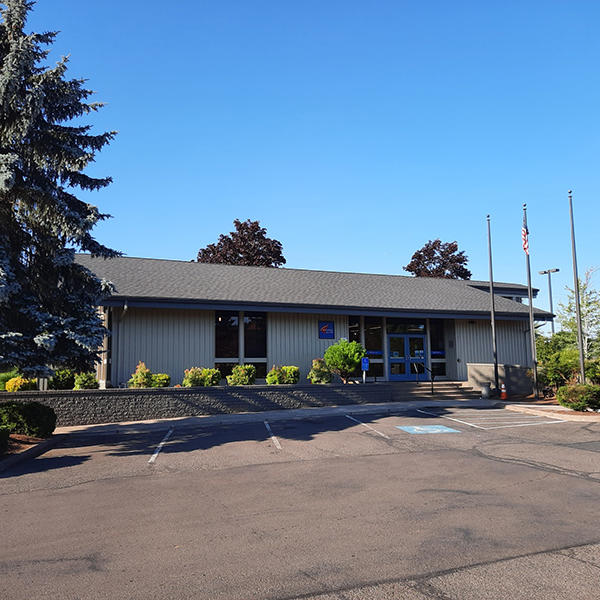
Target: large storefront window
(255, 335)
(374, 337)
(226, 334)
(437, 342)
(248, 346)
(394, 325)
(354, 329)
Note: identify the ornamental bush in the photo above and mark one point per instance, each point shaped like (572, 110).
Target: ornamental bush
(242, 375)
(85, 381)
(160, 380)
(4, 377)
(283, 375)
(63, 379)
(343, 358)
(141, 378)
(28, 418)
(199, 377)
(319, 373)
(20, 384)
(579, 397)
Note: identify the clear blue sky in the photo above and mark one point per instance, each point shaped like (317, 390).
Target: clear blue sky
(354, 131)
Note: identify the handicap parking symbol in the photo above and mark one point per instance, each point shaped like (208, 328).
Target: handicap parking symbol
(427, 429)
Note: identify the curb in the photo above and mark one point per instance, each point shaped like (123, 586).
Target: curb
(293, 414)
(39, 448)
(581, 417)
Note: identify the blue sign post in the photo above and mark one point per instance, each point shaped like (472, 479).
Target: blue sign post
(364, 365)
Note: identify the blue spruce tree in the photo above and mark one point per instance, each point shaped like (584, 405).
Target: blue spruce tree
(48, 315)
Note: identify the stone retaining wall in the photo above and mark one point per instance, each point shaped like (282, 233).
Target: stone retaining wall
(86, 407)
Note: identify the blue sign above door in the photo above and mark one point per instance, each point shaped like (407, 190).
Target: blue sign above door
(326, 330)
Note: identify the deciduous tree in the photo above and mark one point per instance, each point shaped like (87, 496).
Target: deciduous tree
(47, 302)
(438, 259)
(248, 245)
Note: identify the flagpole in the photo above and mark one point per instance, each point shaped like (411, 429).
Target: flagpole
(576, 292)
(493, 307)
(525, 236)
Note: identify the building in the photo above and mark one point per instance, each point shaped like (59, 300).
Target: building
(174, 315)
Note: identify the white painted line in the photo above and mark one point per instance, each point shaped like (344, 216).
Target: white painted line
(275, 440)
(524, 424)
(160, 446)
(449, 418)
(367, 426)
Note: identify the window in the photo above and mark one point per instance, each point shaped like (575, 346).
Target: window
(226, 334)
(255, 335)
(405, 325)
(354, 329)
(436, 338)
(374, 337)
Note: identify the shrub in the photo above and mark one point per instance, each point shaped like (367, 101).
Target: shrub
(63, 379)
(19, 383)
(292, 374)
(199, 377)
(141, 378)
(242, 375)
(85, 381)
(283, 375)
(4, 434)
(319, 373)
(275, 376)
(579, 397)
(160, 380)
(4, 377)
(28, 418)
(592, 370)
(343, 358)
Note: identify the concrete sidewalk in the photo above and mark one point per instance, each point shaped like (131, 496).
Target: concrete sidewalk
(271, 416)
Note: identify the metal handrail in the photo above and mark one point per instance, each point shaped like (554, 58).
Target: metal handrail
(430, 373)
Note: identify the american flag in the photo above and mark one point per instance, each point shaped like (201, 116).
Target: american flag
(525, 234)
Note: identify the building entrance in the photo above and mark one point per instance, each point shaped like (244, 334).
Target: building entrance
(407, 357)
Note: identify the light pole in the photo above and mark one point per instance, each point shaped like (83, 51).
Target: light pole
(548, 272)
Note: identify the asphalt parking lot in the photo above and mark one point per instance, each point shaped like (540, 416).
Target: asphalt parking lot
(452, 503)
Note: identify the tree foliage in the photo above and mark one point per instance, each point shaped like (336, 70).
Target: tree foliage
(589, 300)
(248, 245)
(47, 302)
(439, 259)
(343, 358)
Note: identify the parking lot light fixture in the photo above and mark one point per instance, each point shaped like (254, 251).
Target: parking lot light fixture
(549, 273)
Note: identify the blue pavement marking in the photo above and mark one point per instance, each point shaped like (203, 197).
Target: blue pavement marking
(428, 429)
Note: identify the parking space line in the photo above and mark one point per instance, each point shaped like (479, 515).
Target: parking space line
(525, 424)
(160, 446)
(367, 426)
(449, 418)
(275, 440)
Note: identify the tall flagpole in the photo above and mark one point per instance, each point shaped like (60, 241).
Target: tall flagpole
(525, 238)
(576, 292)
(493, 306)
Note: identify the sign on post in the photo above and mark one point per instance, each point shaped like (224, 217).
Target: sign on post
(364, 365)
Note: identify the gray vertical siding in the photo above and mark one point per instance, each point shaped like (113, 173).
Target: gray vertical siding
(474, 344)
(168, 341)
(293, 339)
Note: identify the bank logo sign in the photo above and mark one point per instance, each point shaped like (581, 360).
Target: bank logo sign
(326, 330)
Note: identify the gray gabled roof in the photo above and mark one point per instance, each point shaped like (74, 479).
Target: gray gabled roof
(170, 281)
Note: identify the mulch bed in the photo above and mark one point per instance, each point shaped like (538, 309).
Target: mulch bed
(18, 443)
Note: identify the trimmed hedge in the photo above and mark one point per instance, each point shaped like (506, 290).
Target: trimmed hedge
(86, 381)
(160, 380)
(200, 377)
(242, 375)
(579, 397)
(283, 375)
(17, 384)
(28, 418)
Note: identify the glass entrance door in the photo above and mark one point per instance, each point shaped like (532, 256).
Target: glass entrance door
(407, 357)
